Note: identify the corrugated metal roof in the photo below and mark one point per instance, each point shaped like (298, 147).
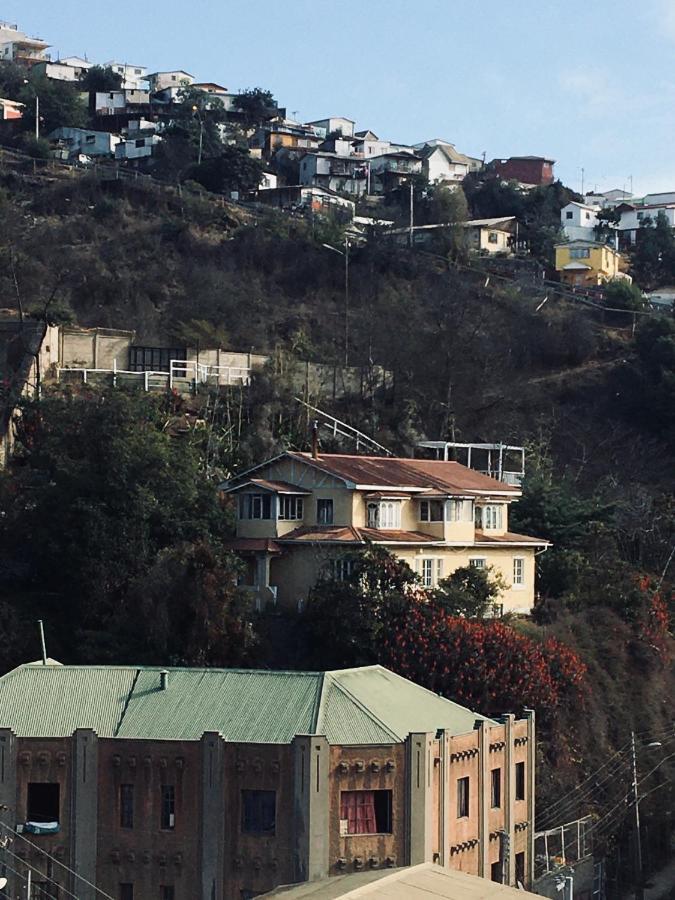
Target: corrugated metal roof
(369, 705)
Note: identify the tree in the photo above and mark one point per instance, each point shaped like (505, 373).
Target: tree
(621, 294)
(60, 104)
(234, 169)
(654, 255)
(197, 121)
(470, 592)
(99, 79)
(256, 105)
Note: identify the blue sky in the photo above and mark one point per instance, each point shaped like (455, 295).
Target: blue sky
(590, 83)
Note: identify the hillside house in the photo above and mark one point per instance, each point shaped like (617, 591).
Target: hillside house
(158, 81)
(58, 71)
(608, 199)
(333, 125)
(586, 263)
(634, 217)
(134, 78)
(443, 164)
(115, 103)
(10, 109)
(530, 171)
(224, 783)
(578, 221)
(19, 48)
(300, 516)
(84, 140)
(342, 174)
(390, 170)
(486, 236)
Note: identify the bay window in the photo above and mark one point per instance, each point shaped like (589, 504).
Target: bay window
(290, 508)
(431, 510)
(384, 514)
(489, 518)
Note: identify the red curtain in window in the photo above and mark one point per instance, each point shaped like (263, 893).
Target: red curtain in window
(358, 808)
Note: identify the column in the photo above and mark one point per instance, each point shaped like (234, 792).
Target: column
(420, 812)
(509, 798)
(530, 789)
(84, 811)
(483, 798)
(213, 815)
(311, 803)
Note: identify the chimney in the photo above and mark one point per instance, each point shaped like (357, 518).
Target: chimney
(163, 680)
(315, 440)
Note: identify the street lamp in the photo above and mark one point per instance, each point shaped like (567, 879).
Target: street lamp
(344, 253)
(195, 110)
(37, 109)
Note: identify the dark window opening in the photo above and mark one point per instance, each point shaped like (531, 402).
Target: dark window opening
(168, 817)
(324, 512)
(43, 802)
(126, 891)
(126, 806)
(255, 506)
(520, 869)
(520, 781)
(496, 789)
(365, 812)
(167, 892)
(154, 359)
(496, 872)
(462, 797)
(258, 812)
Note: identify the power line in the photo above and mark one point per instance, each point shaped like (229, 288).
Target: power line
(57, 861)
(33, 869)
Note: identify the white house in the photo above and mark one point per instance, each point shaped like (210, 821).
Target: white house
(76, 62)
(116, 102)
(137, 147)
(15, 46)
(83, 140)
(578, 220)
(158, 81)
(367, 143)
(268, 181)
(59, 71)
(634, 217)
(345, 174)
(134, 78)
(607, 199)
(443, 164)
(324, 127)
(10, 109)
(666, 197)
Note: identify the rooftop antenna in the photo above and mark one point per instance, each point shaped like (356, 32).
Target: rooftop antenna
(42, 642)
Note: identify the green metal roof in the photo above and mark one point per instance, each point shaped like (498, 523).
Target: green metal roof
(370, 705)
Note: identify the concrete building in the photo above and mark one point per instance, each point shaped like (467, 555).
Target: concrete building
(302, 515)
(633, 217)
(391, 170)
(222, 784)
(85, 140)
(443, 164)
(17, 47)
(343, 174)
(530, 171)
(587, 263)
(578, 221)
(333, 125)
(158, 81)
(487, 236)
(134, 78)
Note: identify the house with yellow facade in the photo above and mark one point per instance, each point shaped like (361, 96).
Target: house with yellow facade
(301, 516)
(588, 263)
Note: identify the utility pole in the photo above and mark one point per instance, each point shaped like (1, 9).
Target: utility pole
(346, 301)
(582, 181)
(639, 891)
(37, 117)
(411, 214)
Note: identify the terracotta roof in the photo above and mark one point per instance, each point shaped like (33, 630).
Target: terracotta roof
(509, 538)
(386, 471)
(253, 544)
(344, 534)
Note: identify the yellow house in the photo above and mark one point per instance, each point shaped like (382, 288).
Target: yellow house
(588, 263)
(302, 515)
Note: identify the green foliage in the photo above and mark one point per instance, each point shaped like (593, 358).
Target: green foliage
(60, 105)
(234, 169)
(653, 259)
(621, 294)
(99, 79)
(256, 104)
(470, 592)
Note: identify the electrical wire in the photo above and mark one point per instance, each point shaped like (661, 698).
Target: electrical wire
(57, 861)
(33, 869)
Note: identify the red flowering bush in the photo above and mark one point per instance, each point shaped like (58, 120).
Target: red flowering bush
(483, 664)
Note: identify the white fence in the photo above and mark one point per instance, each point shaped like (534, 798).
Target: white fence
(181, 374)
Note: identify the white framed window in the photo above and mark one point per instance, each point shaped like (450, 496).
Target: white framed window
(384, 514)
(431, 510)
(324, 511)
(290, 508)
(341, 569)
(478, 562)
(255, 506)
(430, 570)
(493, 237)
(490, 518)
(459, 511)
(579, 253)
(518, 571)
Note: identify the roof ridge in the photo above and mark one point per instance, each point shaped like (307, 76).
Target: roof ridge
(116, 729)
(332, 678)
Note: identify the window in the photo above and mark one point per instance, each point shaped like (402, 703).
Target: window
(90, 139)
(496, 872)
(386, 514)
(477, 561)
(496, 788)
(569, 214)
(493, 237)
(518, 571)
(579, 253)
(126, 890)
(43, 802)
(341, 569)
(520, 869)
(588, 215)
(168, 814)
(324, 511)
(140, 142)
(431, 510)
(462, 797)
(460, 511)
(290, 508)
(126, 806)
(154, 359)
(520, 781)
(431, 571)
(639, 215)
(167, 892)
(258, 812)
(489, 517)
(365, 812)
(255, 506)
(137, 71)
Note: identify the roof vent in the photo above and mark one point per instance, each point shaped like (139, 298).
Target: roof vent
(163, 680)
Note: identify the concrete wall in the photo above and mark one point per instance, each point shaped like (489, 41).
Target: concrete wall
(94, 348)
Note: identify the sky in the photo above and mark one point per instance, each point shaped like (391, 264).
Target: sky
(590, 83)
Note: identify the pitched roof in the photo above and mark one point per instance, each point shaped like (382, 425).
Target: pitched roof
(347, 534)
(367, 705)
(509, 537)
(402, 472)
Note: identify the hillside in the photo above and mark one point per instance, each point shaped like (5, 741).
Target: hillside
(472, 357)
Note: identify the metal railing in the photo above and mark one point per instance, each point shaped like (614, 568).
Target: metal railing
(180, 372)
(200, 373)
